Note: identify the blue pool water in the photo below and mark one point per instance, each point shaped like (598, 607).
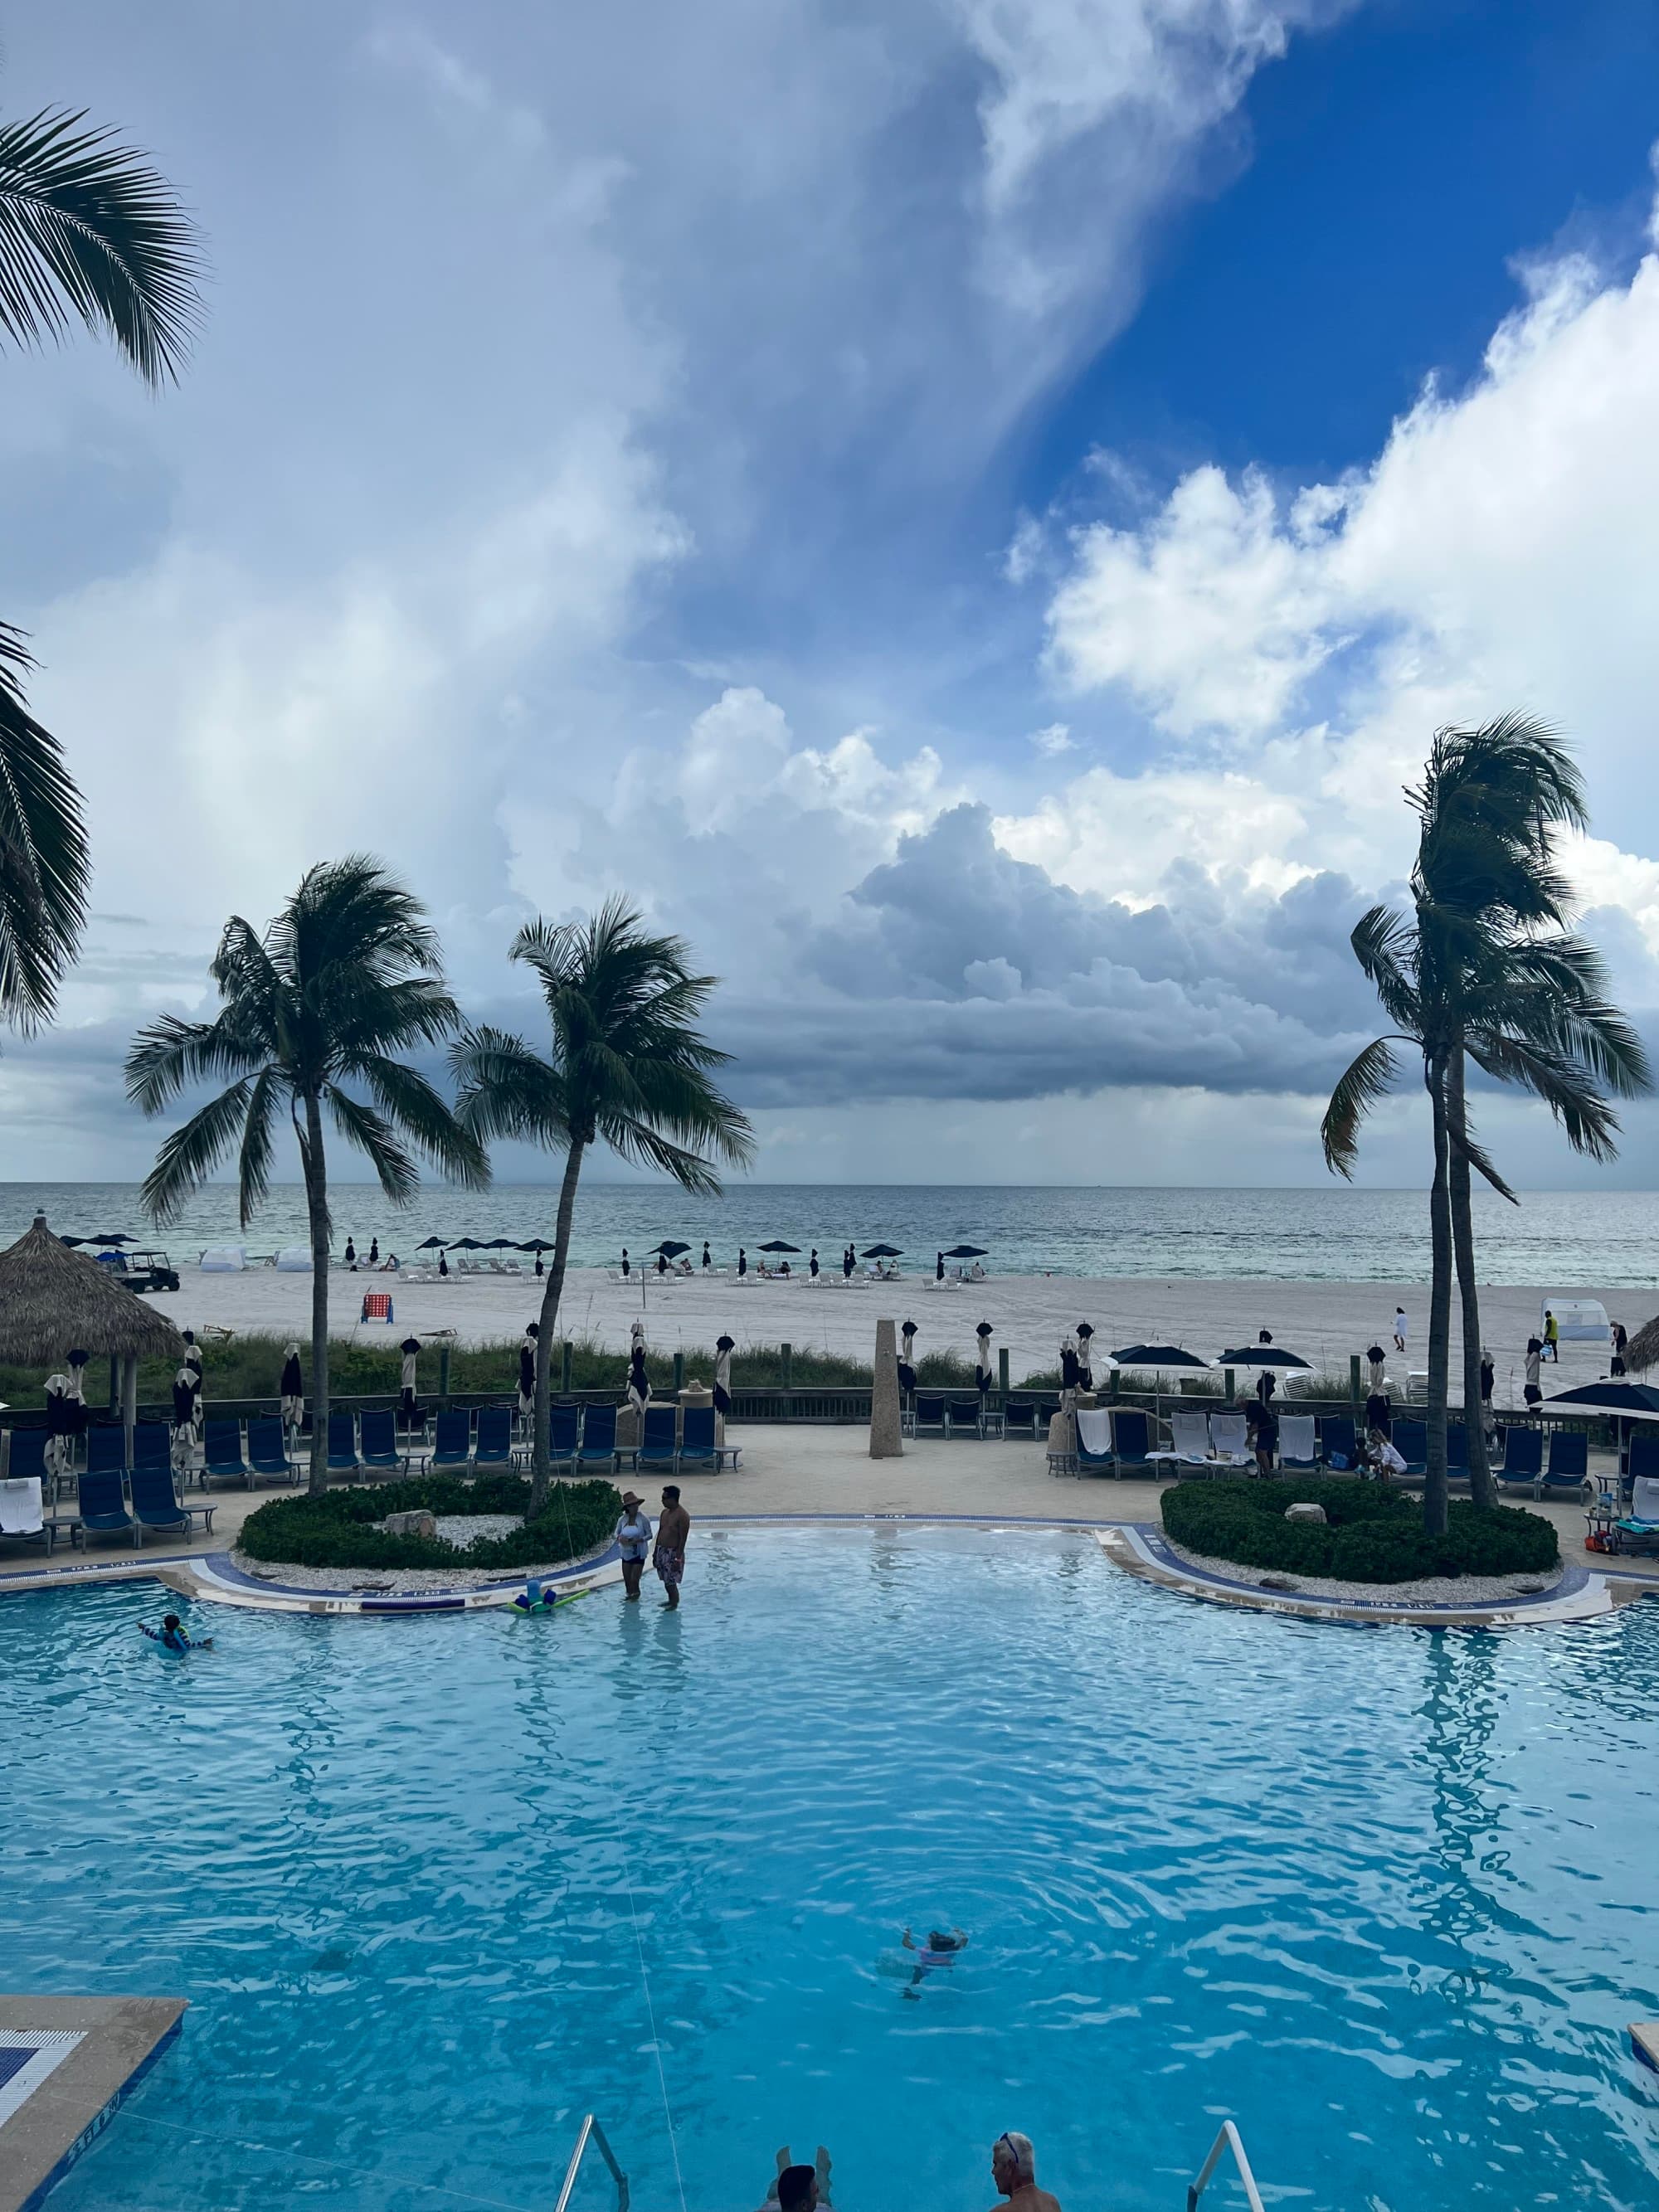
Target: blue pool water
(1388, 1897)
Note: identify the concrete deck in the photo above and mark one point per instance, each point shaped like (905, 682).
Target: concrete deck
(84, 2054)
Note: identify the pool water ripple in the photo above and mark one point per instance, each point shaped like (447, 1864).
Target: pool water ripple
(1381, 1895)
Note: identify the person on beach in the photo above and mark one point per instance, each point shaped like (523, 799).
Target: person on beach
(1619, 1341)
(939, 1268)
(540, 1269)
(1400, 1328)
(1534, 1390)
(707, 1263)
(172, 1635)
(940, 1949)
(374, 1251)
(1013, 2170)
(1552, 1335)
(443, 1266)
(662, 1263)
(849, 1262)
(632, 1542)
(669, 1557)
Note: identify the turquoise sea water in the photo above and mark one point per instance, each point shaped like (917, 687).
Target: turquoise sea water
(1596, 1239)
(434, 1888)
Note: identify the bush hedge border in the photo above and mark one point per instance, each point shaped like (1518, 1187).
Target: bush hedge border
(338, 1529)
(1370, 1533)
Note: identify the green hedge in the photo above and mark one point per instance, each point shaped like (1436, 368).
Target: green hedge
(1370, 1534)
(338, 1530)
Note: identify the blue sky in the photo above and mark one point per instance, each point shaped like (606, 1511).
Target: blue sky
(968, 509)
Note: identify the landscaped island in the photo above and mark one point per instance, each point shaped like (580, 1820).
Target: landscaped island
(1370, 1533)
(342, 1528)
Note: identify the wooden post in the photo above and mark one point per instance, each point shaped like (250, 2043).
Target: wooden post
(788, 1351)
(1353, 1380)
(443, 1377)
(566, 1354)
(129, 1399)
(1227, 1383)
(1002, 1372)
(679, 1372)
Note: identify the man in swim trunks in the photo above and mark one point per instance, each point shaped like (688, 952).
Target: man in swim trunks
(940, 1950)
(1013, 2169)
(669, 1559)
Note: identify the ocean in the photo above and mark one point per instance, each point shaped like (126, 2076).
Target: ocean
(1553, 1238)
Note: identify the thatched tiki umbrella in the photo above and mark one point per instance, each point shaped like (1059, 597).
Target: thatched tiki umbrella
(52, 1299)
(1642, 1350)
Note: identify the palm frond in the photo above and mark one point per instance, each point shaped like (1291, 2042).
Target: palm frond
(90, 232)
(253, 1166)
(1385, 947)
(191, 1154)
(1563, 1083)
(373, 1137)
(1371, 1076)
(411, 1105)
(45, 867)
(504, 1090)
(169, 1054)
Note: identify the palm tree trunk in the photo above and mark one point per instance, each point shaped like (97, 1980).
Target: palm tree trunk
(1463, 1228)
(541, 1464)
(1440, 1240)
(316, 1175)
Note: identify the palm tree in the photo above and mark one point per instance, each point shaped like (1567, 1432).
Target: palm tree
(628, 1068)
(348, 976)
(1484, 968)
(89, 232)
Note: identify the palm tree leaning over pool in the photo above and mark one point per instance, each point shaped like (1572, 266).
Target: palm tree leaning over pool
(628, 1068)
(89, 232)
(346, 977)
(1485, 967)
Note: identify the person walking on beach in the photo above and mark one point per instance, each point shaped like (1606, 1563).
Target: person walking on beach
(351, 1255)
(847, 1260)
(939, 1268)
(632, 1542)
(669, 1560)
(1551, 1336)
(443, 1266)
(1400, 1328)
(1013, 2170)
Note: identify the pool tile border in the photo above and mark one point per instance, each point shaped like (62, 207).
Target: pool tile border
(118, 2041)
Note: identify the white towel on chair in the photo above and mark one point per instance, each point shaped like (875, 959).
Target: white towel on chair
(1094, 1431)
(20, 1505)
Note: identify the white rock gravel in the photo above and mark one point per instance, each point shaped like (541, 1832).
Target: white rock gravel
(1435, 1589)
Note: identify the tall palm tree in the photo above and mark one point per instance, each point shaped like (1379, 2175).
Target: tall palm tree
(89, 232)
(1486, 969)
(628, 1068)
(347, 976)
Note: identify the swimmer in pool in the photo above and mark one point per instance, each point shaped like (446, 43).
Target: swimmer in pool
(172, 1638)
(940, 1950)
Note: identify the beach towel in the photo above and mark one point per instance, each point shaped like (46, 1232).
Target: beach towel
(20, 1505)
(1094, 1431)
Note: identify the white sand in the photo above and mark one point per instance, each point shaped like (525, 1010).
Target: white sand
(1324, 1322)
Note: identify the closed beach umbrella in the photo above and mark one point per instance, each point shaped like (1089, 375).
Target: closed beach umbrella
(982, 1371)
(1263, 1355)
(1084, 1354)
(1157, 1355)
(293, 1389)
(724, 1347)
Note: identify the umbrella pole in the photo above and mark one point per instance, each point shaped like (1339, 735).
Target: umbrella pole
(130, 1400)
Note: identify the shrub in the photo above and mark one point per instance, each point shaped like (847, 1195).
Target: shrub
(338, 1529)
(1370, 1533)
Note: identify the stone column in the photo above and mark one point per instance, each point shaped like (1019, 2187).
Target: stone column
(885, 1441)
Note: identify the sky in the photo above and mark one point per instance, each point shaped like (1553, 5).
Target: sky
(969, 511)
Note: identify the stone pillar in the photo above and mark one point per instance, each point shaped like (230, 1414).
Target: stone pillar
(885, 1441)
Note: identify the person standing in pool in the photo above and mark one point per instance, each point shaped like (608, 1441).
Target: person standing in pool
(632, 1542)
(1013, 2170)
(672, 1531)
(940, 1950)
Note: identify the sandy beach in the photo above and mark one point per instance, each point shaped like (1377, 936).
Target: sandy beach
(1029, 1314)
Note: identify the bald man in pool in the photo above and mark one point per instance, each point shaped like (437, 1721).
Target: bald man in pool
(1013, 2169)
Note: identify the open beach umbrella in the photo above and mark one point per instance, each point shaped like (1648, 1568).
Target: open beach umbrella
(882, 1252)
(1157, 1355)
(500, 1244)
(1264, 1355)
(116, 1238)
(431, 1244)
(464, 1244)
(777, 1245)
(536, 1244)
(966, 1252)
(1626, 1401)
(71, 1241)
(671, 1248)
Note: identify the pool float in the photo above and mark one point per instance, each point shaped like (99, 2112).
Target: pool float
(172, 1640)
(534, 1598)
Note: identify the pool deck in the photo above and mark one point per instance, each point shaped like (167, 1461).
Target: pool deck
(80, 2056)
(801, 1471)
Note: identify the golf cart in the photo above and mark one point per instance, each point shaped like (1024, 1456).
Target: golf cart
(141, 1271)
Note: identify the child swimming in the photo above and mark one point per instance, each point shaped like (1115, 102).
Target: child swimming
(940, 1950)
(171, 1636)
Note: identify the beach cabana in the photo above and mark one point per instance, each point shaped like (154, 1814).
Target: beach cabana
(53, 1301)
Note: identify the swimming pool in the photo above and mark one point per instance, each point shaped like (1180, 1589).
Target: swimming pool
(1387, 1896)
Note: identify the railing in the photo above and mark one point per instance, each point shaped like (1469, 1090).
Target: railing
(591, 2132)
(1227, 2140)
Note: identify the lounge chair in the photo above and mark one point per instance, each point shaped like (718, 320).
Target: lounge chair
(494, 1445)
(993, 1419)
(1567, 1474)
(1523, 1461)
(1457, 1450)
(1132, 1437)
(562, 1423)
(379, 1438)
(1189, 1442)
(103, 1507)
(343, 1446)
(1638, 1529)
(1230, 1439)
(1094, 1441)
(1299, 1442)
(452, 1443)
(697, 1445)
(658, 1446)
(1337, 1447)
(1019, 1418)
(927, 1415)
(1411, 1440)
(598, 1443)
(27, 1459)
(222, 1454)
(268, 1452)
(152, 1445)
(963, 1414)
(155, 1503)
(1642, 1459)
(107, 1451)
(22, 1520)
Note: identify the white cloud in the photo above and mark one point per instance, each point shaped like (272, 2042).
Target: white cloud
(1053, 741)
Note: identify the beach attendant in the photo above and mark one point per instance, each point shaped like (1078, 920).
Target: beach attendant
(632, 1542)
(724, 1347)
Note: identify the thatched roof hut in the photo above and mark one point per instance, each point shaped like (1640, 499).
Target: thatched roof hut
(1642, 1350)
(52, 1299)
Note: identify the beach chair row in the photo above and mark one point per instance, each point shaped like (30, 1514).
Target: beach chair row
(930, 1414)
(584, 1437)
(116, 1498)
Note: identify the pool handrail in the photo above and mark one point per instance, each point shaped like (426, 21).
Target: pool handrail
(1228, 2139)
(590, 2128)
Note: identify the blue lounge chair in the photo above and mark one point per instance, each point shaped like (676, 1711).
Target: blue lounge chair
(28, 1454)
(267, 1451)
(1523, 1461)
(563, 1425)
(1019, 1418)
(1411, 1440)
(107, 1451)
(963, 1414)
(657, 1447)
(1337, 1447)
(155, 1503)
(1458, 1449)
(1132, 1439)
(152, 1444)
(1099, 1462)
(103, 1502)
(451, 1443)
(494, 1447)
(598, 1444)
(1643, 1459)
(697, 1445)
(1568, 1471)
(378, 1436)
(222, 1454)
(343, 1446)
(928, 1416)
